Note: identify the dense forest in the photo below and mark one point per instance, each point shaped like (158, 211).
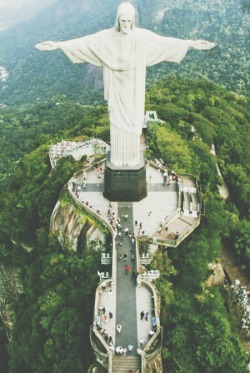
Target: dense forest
(52, 317)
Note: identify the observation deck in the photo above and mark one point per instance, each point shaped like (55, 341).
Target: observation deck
(169, 213)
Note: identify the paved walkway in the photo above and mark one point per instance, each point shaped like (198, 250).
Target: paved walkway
(126, 301)
(126, 285)
(223, 189)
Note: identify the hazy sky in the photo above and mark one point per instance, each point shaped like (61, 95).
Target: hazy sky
(13, 3)
(20, 3)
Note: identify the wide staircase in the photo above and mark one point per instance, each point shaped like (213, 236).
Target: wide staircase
(123, 364)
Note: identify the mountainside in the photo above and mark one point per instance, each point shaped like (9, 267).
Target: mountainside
(35, 75)
(53, 314)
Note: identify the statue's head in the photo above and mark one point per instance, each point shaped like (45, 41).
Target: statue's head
(125, 12)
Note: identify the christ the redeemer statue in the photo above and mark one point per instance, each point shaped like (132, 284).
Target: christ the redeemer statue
(124, 52)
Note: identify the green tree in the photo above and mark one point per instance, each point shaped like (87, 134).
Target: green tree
(217, 347)
(240, 242)
(174, 150)
(237, 180)
(204, 166)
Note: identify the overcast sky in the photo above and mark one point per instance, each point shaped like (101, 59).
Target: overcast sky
(13, 3)
(20, 3)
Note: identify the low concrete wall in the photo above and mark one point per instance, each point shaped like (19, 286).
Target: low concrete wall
(153, 358)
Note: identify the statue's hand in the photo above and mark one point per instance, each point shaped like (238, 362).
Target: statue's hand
(202, 44)
(47, 46)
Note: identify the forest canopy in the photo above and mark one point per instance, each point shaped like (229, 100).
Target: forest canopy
(194, 115)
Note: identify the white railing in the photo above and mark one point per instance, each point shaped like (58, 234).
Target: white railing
(150, 275)
(145, 258)
(103, 275)
(106, 258)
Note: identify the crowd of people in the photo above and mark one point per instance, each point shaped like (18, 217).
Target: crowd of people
(241, 298)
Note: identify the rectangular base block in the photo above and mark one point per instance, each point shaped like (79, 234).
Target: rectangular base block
(125, 184)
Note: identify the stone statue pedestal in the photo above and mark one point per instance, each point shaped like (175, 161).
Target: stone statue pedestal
(125, 183)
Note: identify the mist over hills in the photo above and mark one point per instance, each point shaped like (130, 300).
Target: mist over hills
(12, 14)
(35, 75)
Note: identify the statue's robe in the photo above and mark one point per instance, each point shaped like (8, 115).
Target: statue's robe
(124, 78)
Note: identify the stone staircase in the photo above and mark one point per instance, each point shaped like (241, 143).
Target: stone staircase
(123, 364)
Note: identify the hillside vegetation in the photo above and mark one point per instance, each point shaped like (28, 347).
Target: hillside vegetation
(52, 317)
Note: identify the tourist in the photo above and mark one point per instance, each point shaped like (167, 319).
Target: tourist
(151, 333)
(139, 351)
(118, 350)
(141, 341)
(119, 328)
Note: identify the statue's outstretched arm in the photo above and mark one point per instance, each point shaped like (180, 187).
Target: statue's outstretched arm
(202, 44)
(47, 46)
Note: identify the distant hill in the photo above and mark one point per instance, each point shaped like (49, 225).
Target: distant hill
(35, 76)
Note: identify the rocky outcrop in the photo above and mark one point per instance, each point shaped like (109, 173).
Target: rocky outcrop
(217, 277)
(73, 227)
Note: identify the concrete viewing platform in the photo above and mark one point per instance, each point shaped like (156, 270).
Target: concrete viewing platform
(164, 220)
(127, 296)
